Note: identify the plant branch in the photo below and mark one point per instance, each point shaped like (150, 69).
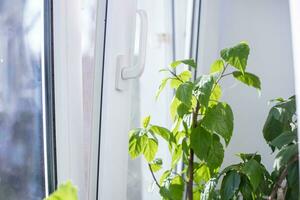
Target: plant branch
(281, 178)
(220, 77)
(226, 74)
(153, 176)
(175, 75)
(189, 188)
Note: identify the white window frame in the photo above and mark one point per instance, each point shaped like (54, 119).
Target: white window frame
(68, 92)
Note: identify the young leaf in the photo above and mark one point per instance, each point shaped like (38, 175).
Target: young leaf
(248, 79)
(205, 85)
(201, 174)
(173, 108)
(216, 94)
(216, 153)
(175, 63)
(252, 169)
(230, 185)
(156, 164)
(177, 154)
(237, 56)
(181, 78)
(64, 192)
(219, 120)
(184, 93)
(150, 149)
(136, 143)
(146, 121)
(161, 131)
(185, 75)
(201, 141)
(164, 177)
(217, 66)
(161, 87)
(175, 83)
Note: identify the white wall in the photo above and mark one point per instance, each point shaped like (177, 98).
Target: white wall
(265, 24)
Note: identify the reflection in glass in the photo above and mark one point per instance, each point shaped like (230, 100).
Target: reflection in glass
(21, 124)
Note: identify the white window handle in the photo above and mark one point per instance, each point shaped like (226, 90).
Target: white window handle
(137, 68)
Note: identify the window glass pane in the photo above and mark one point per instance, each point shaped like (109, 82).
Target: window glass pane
(161, 46)
(21, 122)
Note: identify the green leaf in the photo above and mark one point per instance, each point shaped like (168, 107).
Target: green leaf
(237, 56)
(175, 83)
(248, 156)
(284, 139)
(182, 110)
(204, 85)
(161, 131)
(175, 63)
(146, 121)
(285, 155)
(248, 79)
(216, 94)
(217, 66)
(279, 119)
(246, 189)
(209, 189)
(181, 78)
(164, 177)
(150, 149)
(173, 108)
(161, 87)
(136, 143)
(156, 164)
(65, 191)
(174, 190)
(293, 182)
(201, 141)
(201, 174)
(189, 62)
(230, 185)
(176, 156)
(185, 75)
(184, 93)
(252, 169)
(219, 120)
(216, 153)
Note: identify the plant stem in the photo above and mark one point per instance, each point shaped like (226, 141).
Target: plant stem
(191, 175)
(227, 74)
(174, 74)
(153, 176)
(281, 178)
(191, 158)
(220, 77)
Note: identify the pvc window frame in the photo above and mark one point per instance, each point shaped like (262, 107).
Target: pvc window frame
(68, 92)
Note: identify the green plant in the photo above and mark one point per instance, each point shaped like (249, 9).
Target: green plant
(250, 179)
(203, 126)
(64, 192)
